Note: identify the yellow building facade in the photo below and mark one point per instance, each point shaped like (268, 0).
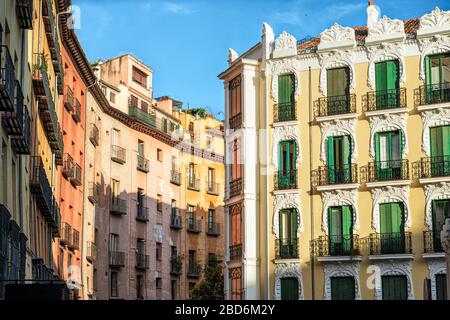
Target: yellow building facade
(342, 143)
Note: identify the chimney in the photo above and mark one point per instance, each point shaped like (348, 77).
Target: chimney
(373, 13)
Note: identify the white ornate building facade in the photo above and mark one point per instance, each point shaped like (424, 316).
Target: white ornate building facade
(338, 152)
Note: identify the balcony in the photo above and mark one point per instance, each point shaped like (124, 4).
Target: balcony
(7, 80)
(194, 269)
(286, 249)
(213, 188)
(175, 265)
(433, 94)
(91, 254)
(116, 259)
(429, 169)
(40, 187)
(235, 252)
(235, 187)
(336, 105)
(76, 114)
(93, 192)
(142, 213)
(193, 183)
(175, 177)
(66, 238)
(384, 100)
(94, 135)
(194, 225)
(142, 116)
(24, 13)
(118, 206)
(432, 243)
(285, 180)
(56, 225)
(71, 171)
(326, 177)
(335, 246)
(382, 171)
(283, 112)
(175, 221)
(236, 122)
(17, 124)
(213, 229)
(68, 99)
(390, 243)
(142, 261)
(75, 245)
(143, 164)
(118, 154)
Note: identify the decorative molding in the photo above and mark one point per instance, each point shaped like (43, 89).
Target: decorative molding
(336, 59)
(438, 191)
(340, 198)
(341, 269)
(393, 268)
(285, 66)
(388, 122)
(337, 36)
(437, 21)
(286, 201)
(433, 118)
(386, 195)
(384, 53)
(429, 46)
(288, 270)
(386, 29)
(285, 46)
(232, 56)
(335, 128)
(288, 132)
(435, 267)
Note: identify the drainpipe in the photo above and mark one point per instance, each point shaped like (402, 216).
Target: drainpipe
(22, 66)
(266, 186)
(311, 200)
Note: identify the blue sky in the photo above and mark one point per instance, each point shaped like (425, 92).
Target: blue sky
(186, 42)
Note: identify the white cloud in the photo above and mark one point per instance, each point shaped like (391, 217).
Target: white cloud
(177, 8)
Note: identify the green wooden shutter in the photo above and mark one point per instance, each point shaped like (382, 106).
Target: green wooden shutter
(347, 159)
(427, 70)
(342, 288)
(446, 141)
(347, 226)
(397, 217)
(294, 223)
(289, 289)
(286, 88)
(384, 213)
(394, 287)
(391, 75)
(441, 287)
(380, 78)
(331, 160)
(377, 147)
(282, 89)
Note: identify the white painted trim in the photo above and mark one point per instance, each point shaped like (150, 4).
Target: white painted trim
(394, 183)
(344, 116)
(391, 257)
(377, 113)
(346, 186)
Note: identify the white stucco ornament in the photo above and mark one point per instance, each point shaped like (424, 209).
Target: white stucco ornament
(334, 128)
(336, 59)
(392, 268)
(388, 122)
(288, 270)
(434, 191)
(286, 201)
(280, 67)
(342, 269)
(386, 29)
(435, 267)
(430, 46)
(337, 36)
(437, 21)
(232, 56)
(285, 45)
(340, 198)
(386, 195)
(285, 133)
(385, 53)
(433, 118)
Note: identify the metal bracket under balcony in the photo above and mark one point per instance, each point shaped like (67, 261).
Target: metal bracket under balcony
(175, 222)
(175, 265)
(331, 177)
(7, 80)
(432, 169)
(383, 102)
(118, 154)
(118, 206)
(24, 13)
(386, 173)
(194, 226)
(175, 177)
(116, 259)
(213, 229)
(194, 270)
(143, 164)
(433, 94)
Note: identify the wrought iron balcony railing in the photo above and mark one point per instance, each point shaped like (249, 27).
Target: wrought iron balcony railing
(56, 225)
(68, 99)
(330, 106)
(118, 154)
(432, 241)
(385, 99)
(236, 122)
(433, 94)
(285, 180)
(213, 229)
(40, 186)
(194, 269)
(143, 164)
(175, 265)
(142, 261)
(7, 80)
(340, 245)
(390, 243)
(24, 13)
(75, 244)
(94, 192)
(175, 221)
(91, 254)
(385, 171)
(94, 135)
(175, 177)
(17, 124)
(118, 206)
(194, 225)
(116, 259)
(235, 187)
(235, 252)
(332, 175)
(142, 213)
(67, 166)
(66, 238)
(76, 114)
(284, 112)
(213, 187)
(432, 167)
(286, 248)
(193, 182)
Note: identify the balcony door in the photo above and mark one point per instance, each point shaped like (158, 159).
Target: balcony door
(288, 232)
(338, 90)
(437, 77)
(386, 84)
(113, 242)
(440, 151)
(392, 228)
(289, 289)
(342, 288)
(286, 97)
(339, 160)
(388, 155)
(191, 174)
(394, 287)
(340, 220)
(440, 211)
(286, 165)
(141, 149)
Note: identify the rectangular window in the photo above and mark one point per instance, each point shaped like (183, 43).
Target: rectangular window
(158, 252)
(173, 289)
(112, 97)
(159, 155)
(158, 282)
(437, 78)
(113, 242)
(287, 176)
(288, 246)
(115, 137)
(392, 234)
(139, 77)
(191, 174)
(115, 192)
(394, 287)
(340, 220)
(339, 159)
(235, 96)
(289, 289)
(286, 89)
(191, 216)
(342, 288)
(338, 91)
(235, 224)
(159, 203)
(441, 287)
(141, 148)
(164, 125)
(440, 151)
(134, 101)
(211, 179)
(139, 287)
(440, 211)
(144, 106)
(387, 84)
(236, 284)
(388, 155)
(114, 287)
(140, 246)
(211, 213)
